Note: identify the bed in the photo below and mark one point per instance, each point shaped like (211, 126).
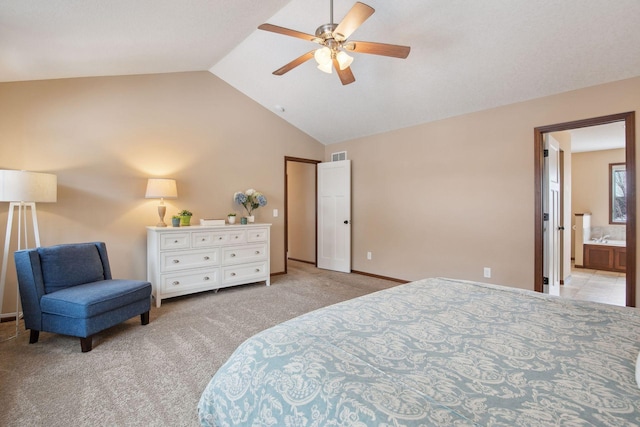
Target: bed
(436, 352)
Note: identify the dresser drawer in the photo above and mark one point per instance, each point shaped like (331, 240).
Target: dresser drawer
(257, 235)
(204, 239)
(203, 279)
(245, 273)
(237, 237)
(182, 260)
(174, 241)
(242, 254)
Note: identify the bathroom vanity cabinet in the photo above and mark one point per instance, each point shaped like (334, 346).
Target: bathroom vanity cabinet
(605, 257)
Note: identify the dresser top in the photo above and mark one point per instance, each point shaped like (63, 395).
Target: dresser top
(207, 227)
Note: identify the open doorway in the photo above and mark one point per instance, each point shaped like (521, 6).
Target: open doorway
(300, 210)
(539, 137)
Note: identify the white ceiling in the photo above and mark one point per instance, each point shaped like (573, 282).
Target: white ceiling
(465, 55)
(596, 138)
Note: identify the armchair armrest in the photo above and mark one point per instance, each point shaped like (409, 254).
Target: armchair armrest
(31, 285)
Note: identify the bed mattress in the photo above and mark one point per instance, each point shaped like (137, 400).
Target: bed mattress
(436, 352)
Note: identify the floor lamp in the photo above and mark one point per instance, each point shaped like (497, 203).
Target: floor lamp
(22, 190)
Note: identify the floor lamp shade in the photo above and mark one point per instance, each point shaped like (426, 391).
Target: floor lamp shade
(24, 186)
(23, 189)
(161, 188)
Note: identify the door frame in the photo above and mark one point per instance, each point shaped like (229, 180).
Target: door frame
(286, 205)
(630, 158)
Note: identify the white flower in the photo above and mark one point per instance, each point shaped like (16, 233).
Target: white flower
(250, 192)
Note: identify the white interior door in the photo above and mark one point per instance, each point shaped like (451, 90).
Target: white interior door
(551, 206)
(334, 216)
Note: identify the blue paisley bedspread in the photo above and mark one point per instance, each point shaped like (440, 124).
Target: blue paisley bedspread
(436, 352)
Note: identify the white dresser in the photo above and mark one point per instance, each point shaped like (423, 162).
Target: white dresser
(185, 260)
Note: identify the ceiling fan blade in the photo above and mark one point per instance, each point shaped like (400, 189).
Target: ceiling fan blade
(359, 13)
(383, 49)
(288, 32)
(293, 64)
(346, 76)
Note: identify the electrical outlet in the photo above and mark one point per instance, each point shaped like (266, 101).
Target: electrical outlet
(369, 256)
(487, 272)
(275, 213)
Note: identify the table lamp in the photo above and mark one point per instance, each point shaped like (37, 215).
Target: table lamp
(161, 188)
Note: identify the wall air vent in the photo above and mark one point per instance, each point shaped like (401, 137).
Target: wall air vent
(341, 155)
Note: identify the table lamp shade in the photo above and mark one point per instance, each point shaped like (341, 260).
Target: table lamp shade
(161, 188)
(24, 186)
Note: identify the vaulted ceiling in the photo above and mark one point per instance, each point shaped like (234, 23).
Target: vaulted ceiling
(465, 55)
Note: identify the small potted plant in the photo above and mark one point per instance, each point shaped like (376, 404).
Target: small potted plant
(175, 221)
(185, 217)
(232, 218)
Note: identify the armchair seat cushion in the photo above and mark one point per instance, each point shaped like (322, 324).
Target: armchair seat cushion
(92, 299)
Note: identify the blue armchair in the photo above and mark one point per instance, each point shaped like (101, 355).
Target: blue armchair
(68, 289)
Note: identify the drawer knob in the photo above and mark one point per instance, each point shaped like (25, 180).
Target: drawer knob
(257, 252)
(233, 274)
(206, 277)
(257, 235)
(220, 238)
(206, 258)
(257, 270)
(232, 255)
(203, 239)
(176, 261)
(175, 241)
(236, 237)
(176, 283)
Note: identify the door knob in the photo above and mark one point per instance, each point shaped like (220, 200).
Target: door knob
(346, 221)
(561, 228)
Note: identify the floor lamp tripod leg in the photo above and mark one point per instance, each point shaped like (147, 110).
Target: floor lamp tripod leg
(5, 256)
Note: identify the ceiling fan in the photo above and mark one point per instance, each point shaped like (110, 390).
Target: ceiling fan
(335, 43)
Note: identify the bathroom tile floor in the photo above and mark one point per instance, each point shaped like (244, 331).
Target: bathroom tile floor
(596, 285)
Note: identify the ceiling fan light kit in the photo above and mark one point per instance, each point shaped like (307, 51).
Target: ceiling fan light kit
(323, 58)
(333, 39)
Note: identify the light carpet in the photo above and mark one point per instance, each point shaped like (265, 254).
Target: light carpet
(154, 375)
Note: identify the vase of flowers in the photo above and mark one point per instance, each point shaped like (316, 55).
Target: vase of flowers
(251, 200)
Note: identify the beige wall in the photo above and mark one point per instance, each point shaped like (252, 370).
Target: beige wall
(450, 197)
(441, 199)
(591, 183)
(302, 214)
(103, 137)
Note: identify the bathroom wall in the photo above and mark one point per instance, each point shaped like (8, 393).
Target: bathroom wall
(590, 174)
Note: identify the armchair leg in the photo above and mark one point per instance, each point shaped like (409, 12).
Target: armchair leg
(144, 318)
(85, 344)
(33, 336)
